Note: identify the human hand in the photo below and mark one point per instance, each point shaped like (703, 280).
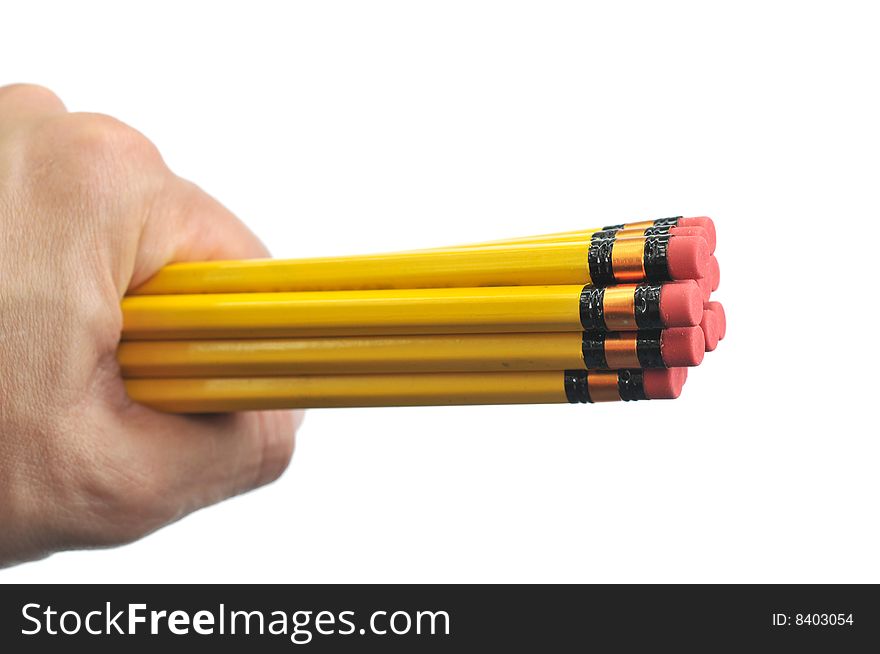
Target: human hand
(89, 209)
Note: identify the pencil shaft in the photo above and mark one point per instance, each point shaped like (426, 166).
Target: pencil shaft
(400, 389)
(576, 236)
(636, 229)
(376, 354)
(407, 311)
(506, 265)
(610, 259)
(260, 393)
(503, 309)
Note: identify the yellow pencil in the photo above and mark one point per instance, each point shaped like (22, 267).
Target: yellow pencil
(702, 226)
(515, 265)
(412, 353)
(411, 311)
(599, 263)
(576, 236)
(258, 393)
(357, 354)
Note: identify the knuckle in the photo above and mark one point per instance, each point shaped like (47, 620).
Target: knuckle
(87, 144)
(89, 156)
(33, 94)
(102, 139)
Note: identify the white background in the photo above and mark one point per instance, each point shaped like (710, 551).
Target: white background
(336, 128)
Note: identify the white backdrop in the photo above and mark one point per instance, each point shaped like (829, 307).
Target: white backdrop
(344, 127)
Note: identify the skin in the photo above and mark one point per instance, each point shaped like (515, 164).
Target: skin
(88, 209)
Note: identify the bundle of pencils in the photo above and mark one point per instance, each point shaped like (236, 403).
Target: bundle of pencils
(609, 314)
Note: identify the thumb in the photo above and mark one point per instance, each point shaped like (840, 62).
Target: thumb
(187, 224)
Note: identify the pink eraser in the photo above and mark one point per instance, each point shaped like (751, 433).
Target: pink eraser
(705, 285)
(720, 317)
(662, 384)
(680, 377)
(682, 346)
(709, 325)
(690, 231)
(681, 304)
(687, 257)
(706, 223)
(713, 274)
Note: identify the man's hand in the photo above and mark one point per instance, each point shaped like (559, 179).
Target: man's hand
(88, 209)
